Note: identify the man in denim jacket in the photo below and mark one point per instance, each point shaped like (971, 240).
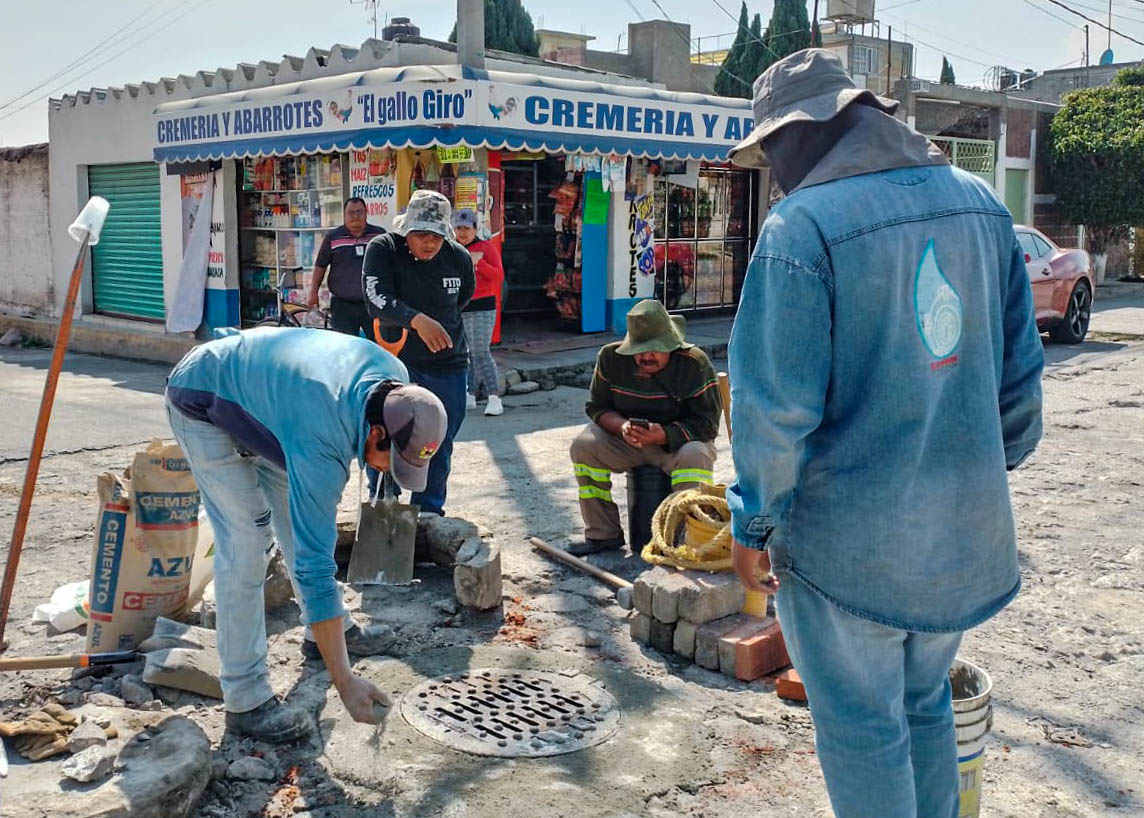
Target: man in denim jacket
(885, 375)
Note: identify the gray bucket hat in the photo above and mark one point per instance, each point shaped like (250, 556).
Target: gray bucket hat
(808, 86)
(427, 212)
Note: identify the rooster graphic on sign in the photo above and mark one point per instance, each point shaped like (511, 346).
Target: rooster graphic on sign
(343, 113)
(507, 108)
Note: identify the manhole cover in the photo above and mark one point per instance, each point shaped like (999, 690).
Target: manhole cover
(514, 713)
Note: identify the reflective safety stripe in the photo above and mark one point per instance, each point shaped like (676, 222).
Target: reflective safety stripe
(595, 493)
(692, 476)
(599, 475)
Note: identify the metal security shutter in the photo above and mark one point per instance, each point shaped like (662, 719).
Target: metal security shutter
(127, 264)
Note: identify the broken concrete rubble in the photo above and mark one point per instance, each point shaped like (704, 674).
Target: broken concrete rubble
(134, 691)
(183, 657)
(161, 776)
(473, 554)
(88, 734)
(251, 768)
(91, 764)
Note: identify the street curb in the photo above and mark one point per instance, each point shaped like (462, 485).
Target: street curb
(112, 342)
(580, 375)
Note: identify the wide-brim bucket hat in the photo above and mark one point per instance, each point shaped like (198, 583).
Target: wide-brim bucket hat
(651, 329)
(808, 86)
(427, 212)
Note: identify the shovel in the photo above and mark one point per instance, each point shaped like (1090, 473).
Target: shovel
(386, 538)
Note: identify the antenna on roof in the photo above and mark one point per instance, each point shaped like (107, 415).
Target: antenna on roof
(370, 10)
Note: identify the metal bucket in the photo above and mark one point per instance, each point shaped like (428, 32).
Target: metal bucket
(973, 717)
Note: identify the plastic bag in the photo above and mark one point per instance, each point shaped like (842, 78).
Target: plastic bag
(68, 607)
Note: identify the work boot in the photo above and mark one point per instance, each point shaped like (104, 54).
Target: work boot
(360, 641)
(272, 721)
(590, 546)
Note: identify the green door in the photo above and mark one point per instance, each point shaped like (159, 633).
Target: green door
(1017, 194)
(127, 264)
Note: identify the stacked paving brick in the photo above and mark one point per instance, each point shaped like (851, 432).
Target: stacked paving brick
(697, 615)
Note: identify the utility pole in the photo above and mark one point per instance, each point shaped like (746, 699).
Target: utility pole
(813, 22)
(1087, 61)
(1109, 25)
(889, 58)
(471, 33)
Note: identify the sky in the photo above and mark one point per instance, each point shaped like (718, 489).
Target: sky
(69, 45)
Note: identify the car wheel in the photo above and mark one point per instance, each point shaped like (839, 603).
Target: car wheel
(1074, 327)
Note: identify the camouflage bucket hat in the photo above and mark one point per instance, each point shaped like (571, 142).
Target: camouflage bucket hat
(427, 212)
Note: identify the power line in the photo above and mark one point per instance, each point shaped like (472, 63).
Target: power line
(1094, 21)
(1054, 15)
(81, 58)
(114, 57)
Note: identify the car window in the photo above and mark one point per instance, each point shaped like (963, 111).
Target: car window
(1043, 248)
(1027, 245)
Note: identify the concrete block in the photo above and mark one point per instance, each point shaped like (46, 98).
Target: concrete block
(644, 588)
(196, 670)
(662, 636)
(641, 628)
(753, 649)
(477, 577)
(708, 597)
(442, 537)
(707, 638)
(789, 686)
(666, 594)
(684, 643)
(624, 597)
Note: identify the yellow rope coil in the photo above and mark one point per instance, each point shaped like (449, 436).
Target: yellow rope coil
(691, 529)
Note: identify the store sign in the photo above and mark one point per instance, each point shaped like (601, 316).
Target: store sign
(600, 114)
(453, 156)
(373, 178)
(641, 247)
(556, 114)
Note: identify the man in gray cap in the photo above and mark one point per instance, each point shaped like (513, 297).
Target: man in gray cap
(270, 421)
(885, 369)
(418, 278)
(654, 402)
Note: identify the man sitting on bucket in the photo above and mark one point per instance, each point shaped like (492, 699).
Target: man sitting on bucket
(270, 421)
(654, 402)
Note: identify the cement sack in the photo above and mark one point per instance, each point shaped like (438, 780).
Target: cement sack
(146, 534)
(202, 569)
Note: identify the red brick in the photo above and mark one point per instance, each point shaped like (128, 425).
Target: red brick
(760, 650)
(789, 686)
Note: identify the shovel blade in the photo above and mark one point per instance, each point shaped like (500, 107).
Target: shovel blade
(386, 539)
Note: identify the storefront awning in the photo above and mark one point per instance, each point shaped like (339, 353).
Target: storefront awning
(422, 106)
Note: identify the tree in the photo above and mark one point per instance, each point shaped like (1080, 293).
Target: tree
(947, 77)
(787, 32)
(508, 27)
(754, 57)
(1132, 75)
(1096, 160)
(727, 82)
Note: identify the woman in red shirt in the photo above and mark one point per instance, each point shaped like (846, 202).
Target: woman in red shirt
(480, 315)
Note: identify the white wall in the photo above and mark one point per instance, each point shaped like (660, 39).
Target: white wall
(25, 241)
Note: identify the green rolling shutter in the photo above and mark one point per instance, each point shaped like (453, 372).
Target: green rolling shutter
(127, 264)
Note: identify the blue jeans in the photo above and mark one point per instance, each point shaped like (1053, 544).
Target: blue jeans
(247, 500)
(451, 389)
(882, 708)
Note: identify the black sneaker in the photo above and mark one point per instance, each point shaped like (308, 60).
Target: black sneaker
(371, 641)
(590, 546)
(272, 721)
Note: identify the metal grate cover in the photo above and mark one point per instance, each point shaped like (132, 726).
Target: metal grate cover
(512, 713)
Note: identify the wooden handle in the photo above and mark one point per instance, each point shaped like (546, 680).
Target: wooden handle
(42, 662)
(576, 562)
(725, 394)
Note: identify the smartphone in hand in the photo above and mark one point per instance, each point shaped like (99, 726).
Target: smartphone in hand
(641, 422)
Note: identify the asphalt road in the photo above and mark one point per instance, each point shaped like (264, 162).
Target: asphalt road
(100, 402)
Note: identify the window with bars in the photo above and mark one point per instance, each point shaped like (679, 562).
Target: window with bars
(863, 60)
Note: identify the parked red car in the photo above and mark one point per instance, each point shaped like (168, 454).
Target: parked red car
(1062, 285)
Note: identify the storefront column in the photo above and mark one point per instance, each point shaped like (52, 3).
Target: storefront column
(593, 262)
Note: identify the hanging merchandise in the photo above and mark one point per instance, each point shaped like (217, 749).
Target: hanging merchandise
(613, 172)
(565, 284)
(432, 176)
(417, 177)
(448, 184)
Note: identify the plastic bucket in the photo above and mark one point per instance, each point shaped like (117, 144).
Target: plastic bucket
(973, 717)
